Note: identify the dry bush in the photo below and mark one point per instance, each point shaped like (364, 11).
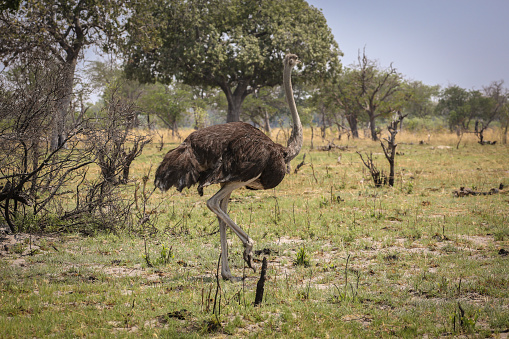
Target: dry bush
(43, 187)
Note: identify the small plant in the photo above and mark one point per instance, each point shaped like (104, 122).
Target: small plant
(409, 188)
(443, 285)
(302, 258)
(501, 235)
(413, 233)
(165, 256)
(349, 237)
(210, 326)
(233, 325)
(461, 322)
(18, 248)
(324, 202)
(329, 267)
(449, 248)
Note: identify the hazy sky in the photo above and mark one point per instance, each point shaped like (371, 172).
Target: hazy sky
(438, 42)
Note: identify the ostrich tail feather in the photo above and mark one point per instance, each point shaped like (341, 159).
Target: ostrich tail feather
(178, 169)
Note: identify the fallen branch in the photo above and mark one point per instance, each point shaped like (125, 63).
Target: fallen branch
(464, 191)
(330, 146)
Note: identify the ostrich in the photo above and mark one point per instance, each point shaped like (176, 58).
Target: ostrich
(233, 155)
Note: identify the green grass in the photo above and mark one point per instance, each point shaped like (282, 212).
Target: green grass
(382, 262)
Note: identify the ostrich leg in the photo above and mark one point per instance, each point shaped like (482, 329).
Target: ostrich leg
(214, 204)
(225, 269)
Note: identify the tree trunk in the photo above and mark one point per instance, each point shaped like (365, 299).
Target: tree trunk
(235, 99)
(338, 125)
(175, 129)
(372, 127)
(312, 135)
(266, 121)
(61, 114)
(352, 122)
(324, 122)
(234, 110)
(390, 149)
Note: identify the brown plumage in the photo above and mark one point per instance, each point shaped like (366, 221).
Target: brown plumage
(234, 155)
(222, 153)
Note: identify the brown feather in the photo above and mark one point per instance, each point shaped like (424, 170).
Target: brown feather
(223, 153)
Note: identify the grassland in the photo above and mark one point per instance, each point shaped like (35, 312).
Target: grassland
(344, 258)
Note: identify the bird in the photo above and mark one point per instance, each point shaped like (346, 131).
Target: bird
(233, 155)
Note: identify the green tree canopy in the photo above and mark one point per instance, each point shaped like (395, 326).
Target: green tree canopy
(462, 107)
(168, 103)
(419, 99)
(61, 30)
(235, 45)
(453, 106)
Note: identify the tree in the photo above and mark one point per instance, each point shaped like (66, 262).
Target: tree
(377, 90)
(491, 107)
(62, 29)
(263, 106)
(31, 175)
(462, 107)
(504, 121)
(453, 106)
(235, 45)
(340, 98)
(419, 99)
(51, 187)
(168, 103)
(364, 90)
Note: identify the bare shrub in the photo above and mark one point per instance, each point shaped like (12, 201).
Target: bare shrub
(51, 188)
(110, 137)
(32, 175)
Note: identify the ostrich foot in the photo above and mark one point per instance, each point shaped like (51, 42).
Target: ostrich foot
(248, 254)
(226, 275)
(231, 278)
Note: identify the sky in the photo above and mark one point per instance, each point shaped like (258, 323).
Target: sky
(438, 42)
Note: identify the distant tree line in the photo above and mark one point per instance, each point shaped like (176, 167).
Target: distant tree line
(223, 59)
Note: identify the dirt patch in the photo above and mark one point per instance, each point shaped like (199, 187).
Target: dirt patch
(479, 241)
(288, 240)
(121, 271)
(20, 245)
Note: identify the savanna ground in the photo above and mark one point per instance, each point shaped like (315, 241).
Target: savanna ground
(344, 258)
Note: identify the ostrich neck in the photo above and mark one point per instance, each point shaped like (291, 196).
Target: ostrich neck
(295, 141)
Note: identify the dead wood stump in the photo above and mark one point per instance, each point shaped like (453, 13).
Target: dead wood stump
(261, 283)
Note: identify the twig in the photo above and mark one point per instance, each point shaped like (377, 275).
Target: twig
(313, 169)
(218, 287)
(346, 273)
(147, 255)
(300, 164)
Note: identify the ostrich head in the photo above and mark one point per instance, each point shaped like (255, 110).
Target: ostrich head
(291, 60)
